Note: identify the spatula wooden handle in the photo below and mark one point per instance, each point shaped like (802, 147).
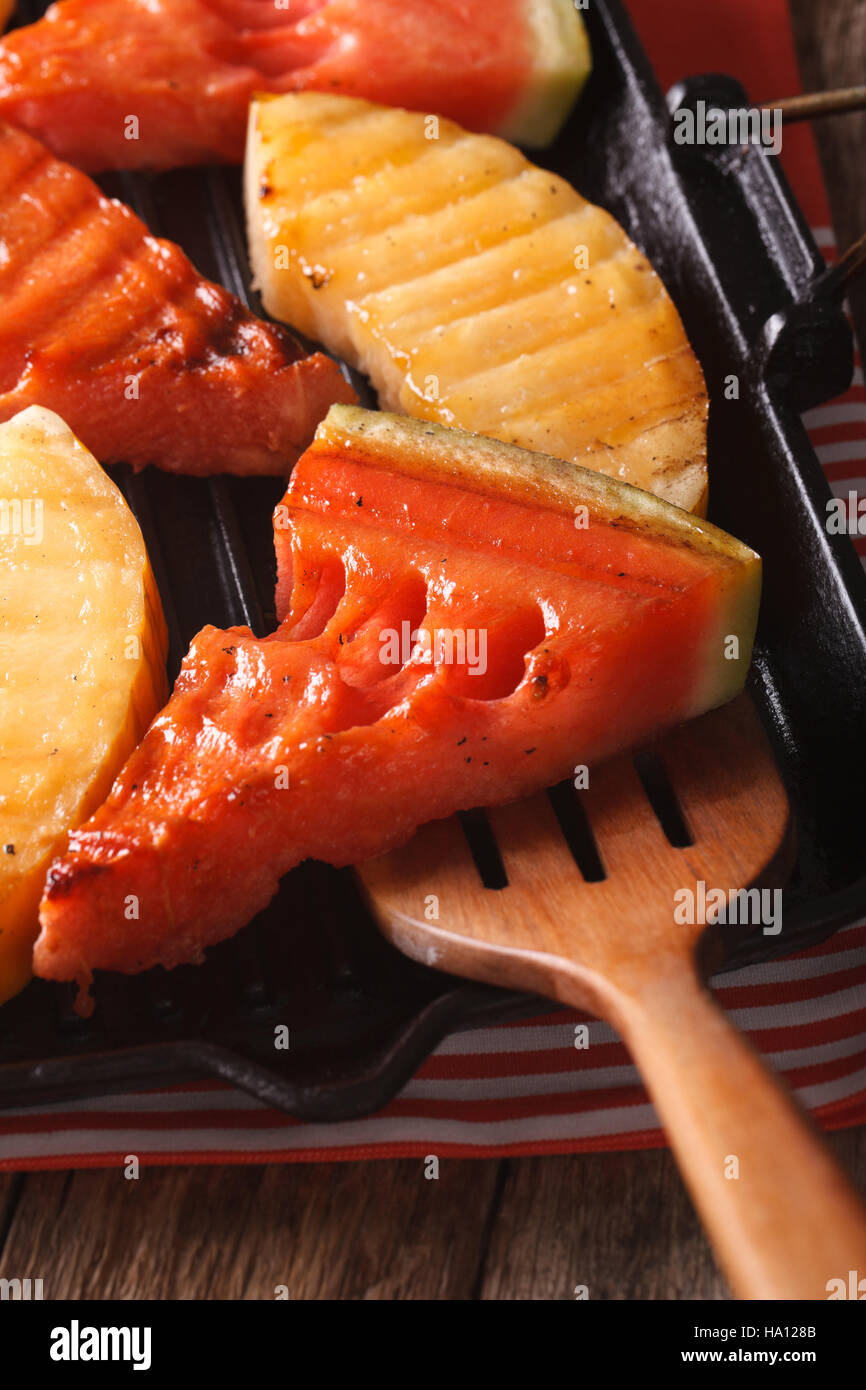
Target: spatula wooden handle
(782, 1217)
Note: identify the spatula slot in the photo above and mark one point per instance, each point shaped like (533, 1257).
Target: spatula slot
(663, 798)
(577, 831)
(484, 849)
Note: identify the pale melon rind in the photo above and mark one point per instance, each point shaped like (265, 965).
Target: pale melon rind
(78, 691)
(422, 448)
(562, 62)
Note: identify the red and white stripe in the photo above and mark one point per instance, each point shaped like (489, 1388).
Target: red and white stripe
(838, 430)
(517, 1088)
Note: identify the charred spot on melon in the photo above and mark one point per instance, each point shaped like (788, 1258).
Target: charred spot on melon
(65, 877)
(547, 673)
(318, 275)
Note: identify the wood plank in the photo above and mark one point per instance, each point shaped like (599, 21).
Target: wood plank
(11, 1186)
(374, 1230)
(619, 1223)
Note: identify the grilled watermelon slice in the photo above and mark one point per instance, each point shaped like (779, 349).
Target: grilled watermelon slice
(591, 615)
(186, 69)
(474, 288)
(117, 332)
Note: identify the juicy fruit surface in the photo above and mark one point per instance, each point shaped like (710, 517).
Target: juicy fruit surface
(336, 736)
(116, 331)
(187, 69)
(473, 288)
(82, 654)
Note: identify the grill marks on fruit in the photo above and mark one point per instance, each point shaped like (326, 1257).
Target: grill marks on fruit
(385, 640)
(388, 600)
(453, 167)
(387, 634)
(470, 301)
(92, 300)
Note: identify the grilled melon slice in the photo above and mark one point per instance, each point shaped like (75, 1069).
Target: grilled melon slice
(82, 655)
(473, 288)
(461, 623)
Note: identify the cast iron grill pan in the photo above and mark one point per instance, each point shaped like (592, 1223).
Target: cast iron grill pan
(724, 231)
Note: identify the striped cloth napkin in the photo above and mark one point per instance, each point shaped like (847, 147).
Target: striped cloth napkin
(523, 1088)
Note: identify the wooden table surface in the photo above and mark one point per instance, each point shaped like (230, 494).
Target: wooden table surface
(488, 1229)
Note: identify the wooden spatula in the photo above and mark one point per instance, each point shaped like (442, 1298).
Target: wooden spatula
(781, 1215)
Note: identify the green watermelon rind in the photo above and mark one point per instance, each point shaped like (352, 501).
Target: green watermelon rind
(561, 63)
(423, 448)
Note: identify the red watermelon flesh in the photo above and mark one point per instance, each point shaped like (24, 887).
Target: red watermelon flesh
(340, 733)
(123, 84)
(117, 332)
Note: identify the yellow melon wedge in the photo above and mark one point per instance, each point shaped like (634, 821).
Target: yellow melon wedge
(473, 288)
(82, 657)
